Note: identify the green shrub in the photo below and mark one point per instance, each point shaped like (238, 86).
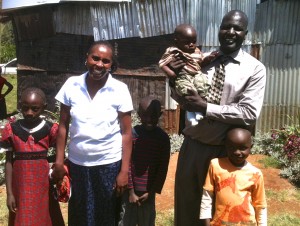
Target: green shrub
(284, 146)
(176, 142)
(7, 42)
(135, 119)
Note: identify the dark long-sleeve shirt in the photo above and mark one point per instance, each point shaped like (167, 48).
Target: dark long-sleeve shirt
(150, 159)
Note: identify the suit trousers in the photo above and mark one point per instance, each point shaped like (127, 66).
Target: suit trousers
(192, 166)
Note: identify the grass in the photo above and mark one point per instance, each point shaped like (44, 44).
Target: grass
(3, 210)
(165, 218)
(270, 162)
(285, 219)
(282, 196)
(297, 194)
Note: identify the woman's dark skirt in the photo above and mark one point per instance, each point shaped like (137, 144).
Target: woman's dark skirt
(93, 199)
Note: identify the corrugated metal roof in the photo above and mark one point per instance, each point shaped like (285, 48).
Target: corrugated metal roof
(19, 4)
(147, 18)
(73, 19)
(114, 21)
(278, 22)
(108, 21)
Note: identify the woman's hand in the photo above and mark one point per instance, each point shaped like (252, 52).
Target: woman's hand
(122, 178)
(63, 128)
(11, 203)
(121, 182)
(58, 172)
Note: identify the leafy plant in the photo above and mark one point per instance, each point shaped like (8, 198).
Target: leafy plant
(53, 116)
(176, 142)
(7, 43)
(284, 146)
(135, 119)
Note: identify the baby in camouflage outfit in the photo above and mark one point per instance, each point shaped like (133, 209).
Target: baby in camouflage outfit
(190, 76)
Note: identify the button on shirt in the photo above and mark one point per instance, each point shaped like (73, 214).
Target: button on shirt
(241, 100)
(95, 135)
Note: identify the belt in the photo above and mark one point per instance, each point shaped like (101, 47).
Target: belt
(30, 155)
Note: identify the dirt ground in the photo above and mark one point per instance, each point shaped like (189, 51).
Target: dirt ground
(273, 182)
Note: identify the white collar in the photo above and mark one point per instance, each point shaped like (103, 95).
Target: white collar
(37, 128)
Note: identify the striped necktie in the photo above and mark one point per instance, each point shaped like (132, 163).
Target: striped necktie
(217, 83)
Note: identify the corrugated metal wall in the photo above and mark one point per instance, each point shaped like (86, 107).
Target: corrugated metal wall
(277, 28)
(277, 22)
(206, 17)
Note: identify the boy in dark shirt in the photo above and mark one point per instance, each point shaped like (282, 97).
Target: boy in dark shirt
(149, 165)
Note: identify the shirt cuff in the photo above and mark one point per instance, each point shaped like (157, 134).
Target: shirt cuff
(206, 205)
(213, 110)
(261, 216)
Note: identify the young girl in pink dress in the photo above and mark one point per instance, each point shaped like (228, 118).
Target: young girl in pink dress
(27, 142)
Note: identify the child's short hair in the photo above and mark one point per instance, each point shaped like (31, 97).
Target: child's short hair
(243, 128)
(179, 29)
(34, 90)
(153, 102)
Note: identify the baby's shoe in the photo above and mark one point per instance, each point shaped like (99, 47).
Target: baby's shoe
(199, 116)
(193, 122)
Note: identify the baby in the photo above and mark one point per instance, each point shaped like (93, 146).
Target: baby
(190, 76)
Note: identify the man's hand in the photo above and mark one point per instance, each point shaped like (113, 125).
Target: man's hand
(194, 102)
(206, 222)
(177, 64)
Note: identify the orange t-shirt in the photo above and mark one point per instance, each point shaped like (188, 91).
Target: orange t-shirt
(238, 191)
